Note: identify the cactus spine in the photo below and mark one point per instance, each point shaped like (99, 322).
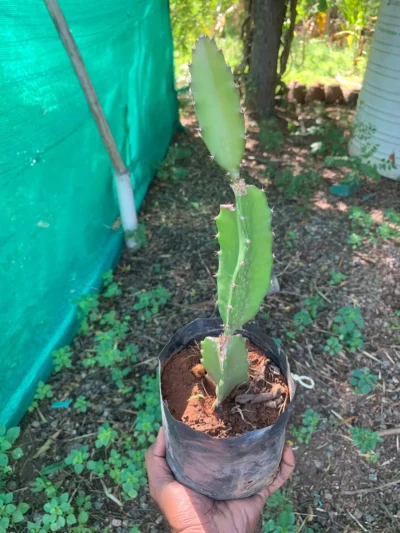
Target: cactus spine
(244, 230)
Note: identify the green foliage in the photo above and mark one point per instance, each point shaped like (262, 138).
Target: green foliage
(105, 436)
(314, 304)
(43, 391)
(88, 307)
(302, 319)
(366, 441)
(62, 358)
(9, 512)
(111, 287)
(300, 185)
(355, 240)
(290, 238)
(149, 303)
(58, 513)
(170, 169)
(43, 484)
(148, 403)
(82, 404)
(77, 459)
(7, 450)
(363, 222)
(363, 381)
(191, 18)
(323, 63)
(270, 135)
(347, 325)
(333, 346)
(337, 278)
(279, 515)
(310, 423)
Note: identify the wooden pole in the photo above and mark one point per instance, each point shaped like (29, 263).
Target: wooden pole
(121, 172)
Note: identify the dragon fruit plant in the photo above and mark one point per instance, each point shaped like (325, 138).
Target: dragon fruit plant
(244, 228)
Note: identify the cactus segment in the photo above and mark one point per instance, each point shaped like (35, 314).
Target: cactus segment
(245, 258)
(217, 105)
(225, 359)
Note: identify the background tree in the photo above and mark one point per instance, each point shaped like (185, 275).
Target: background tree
(268, 17)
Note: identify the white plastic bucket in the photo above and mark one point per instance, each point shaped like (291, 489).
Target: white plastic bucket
(377, 117)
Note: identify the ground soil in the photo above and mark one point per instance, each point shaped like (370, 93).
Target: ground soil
(190, 399)
(333, 489)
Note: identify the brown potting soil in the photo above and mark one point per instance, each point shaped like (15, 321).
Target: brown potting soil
(190, 398)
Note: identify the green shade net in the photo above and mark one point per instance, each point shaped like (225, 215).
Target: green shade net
(58, 202)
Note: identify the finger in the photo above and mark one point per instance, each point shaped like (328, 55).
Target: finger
(159, 445)
(158, 471)
(285, 471)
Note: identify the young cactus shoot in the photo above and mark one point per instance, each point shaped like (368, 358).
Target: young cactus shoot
(244, 229)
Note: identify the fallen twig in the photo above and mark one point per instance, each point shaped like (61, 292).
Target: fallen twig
(111, 496)
(389, 432)
(373, 489)
(357, 521)
(47, 444)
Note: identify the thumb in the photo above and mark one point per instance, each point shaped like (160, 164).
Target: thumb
(158, 471)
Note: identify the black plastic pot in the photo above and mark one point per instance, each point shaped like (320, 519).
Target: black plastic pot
(232, 467)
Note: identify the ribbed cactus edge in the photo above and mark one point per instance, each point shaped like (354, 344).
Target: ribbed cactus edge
(244, 229)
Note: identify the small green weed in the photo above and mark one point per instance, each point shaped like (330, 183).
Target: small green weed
(366, 441)
(42, 484)
(149, 303)
(363, 222)
(310, 423)
(58, 513)
(314, 304)
(363, 380)
(9, 512)
(110, 285)
(333, 346)
(62, 358)
(78, 459)
(302, 319)
(347, 325)
(7, 449)
(279, 515)
(299, 185)
(169, 168)
(105, 436)
(88, 308)
(336, 278)
(270, 135)
(290, 238)
(82, 404)
(355, 240)
(43, 391)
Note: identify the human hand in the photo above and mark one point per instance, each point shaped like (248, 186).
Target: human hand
(189, 512)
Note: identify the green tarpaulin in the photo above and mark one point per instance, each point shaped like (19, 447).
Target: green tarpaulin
(58, 203)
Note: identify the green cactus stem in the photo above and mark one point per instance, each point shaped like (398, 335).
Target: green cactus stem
(225, 359)
(244, 230)
(245, 257)
(217, 105)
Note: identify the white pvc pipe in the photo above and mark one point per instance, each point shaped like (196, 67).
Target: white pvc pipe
(126, 205)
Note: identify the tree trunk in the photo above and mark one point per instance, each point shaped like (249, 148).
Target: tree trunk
(268, 16)
(287, 40)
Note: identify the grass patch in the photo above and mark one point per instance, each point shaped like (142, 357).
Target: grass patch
(324, 63)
